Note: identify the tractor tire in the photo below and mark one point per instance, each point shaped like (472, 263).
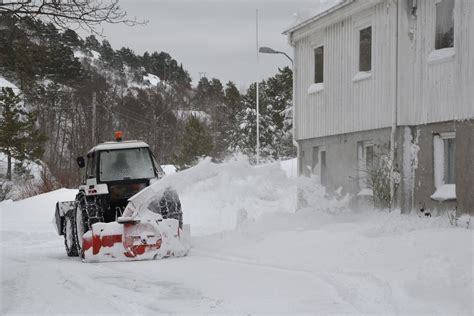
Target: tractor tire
(69, 234)
(170, 206)
(81, 226)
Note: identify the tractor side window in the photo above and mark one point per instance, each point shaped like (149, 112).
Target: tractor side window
(91, 166)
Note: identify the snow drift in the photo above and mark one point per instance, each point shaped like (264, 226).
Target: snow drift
(252, 253)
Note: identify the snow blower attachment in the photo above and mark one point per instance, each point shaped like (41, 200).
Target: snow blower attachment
(117, 215)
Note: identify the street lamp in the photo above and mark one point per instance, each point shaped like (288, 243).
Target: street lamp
(268, 50)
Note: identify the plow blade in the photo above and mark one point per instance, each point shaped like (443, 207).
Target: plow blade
(135, 240)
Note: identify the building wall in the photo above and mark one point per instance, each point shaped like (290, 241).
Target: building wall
(435, 89)
(341, 157)
(424, 184)
(465, 166)
(430, 89)
(346, 105)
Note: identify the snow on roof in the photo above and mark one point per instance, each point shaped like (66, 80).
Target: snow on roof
(119, 145)
(310, 14)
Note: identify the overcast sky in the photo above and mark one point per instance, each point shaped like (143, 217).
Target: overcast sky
(212, 36)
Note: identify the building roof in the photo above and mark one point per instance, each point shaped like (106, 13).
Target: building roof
(311, 15)
(119, 145)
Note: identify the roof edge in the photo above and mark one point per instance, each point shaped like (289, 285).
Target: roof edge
(317, 17)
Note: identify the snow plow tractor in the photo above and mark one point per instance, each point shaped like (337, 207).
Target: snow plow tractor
(113, 217)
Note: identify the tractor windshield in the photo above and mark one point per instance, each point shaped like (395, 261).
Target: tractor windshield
(126, 164)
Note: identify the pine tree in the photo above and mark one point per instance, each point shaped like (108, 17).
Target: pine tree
(18, 136)
(275, 98)
(233, 102)
(196, 142)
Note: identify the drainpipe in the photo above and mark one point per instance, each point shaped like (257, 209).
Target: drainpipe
(295, 143)
(394, 115)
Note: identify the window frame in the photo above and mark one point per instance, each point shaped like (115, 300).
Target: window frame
(314, 64)
(322, 149)
(439, 182)
(362, 162)
(317, 41)
(359, 48)
(441, 55)
(435, 15)
(363, 21)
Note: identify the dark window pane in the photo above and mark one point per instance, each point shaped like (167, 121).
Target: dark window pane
(449, 161)
(319, 65)
(324, 179)
(369, 158)
(365, 49)
(315, 158)
(444, 24)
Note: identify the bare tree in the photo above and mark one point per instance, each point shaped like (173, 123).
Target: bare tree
(86, 14)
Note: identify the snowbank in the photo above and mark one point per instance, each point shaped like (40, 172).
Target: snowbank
(168, 169)
(252, 253)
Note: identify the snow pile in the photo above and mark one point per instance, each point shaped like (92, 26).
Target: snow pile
(152, 79)
(252, 253)
(168, 169)
(215, 197)
(290, 167)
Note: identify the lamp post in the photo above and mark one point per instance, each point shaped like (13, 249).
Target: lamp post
(268, 50)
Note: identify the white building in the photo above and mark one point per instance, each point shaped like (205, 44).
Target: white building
(397, 74)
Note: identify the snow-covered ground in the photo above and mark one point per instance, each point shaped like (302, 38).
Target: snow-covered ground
(252, 253)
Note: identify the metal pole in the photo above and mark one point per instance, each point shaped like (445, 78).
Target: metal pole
(257, 95)
(94, 119)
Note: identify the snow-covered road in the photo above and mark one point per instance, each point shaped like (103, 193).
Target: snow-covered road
(331, 261)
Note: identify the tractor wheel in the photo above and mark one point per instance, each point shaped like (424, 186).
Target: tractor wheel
(69, 234)
(81, 227)
(170, 206)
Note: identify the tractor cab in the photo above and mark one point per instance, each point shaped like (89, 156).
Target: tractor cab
(117, 171)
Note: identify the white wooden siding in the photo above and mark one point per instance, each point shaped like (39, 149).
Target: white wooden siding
(428, 92)
(443, 90)
(345, 106)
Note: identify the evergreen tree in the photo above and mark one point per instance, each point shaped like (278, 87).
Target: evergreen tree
(233, 102)
(196, 142)
(275, 98)
(18, 136)
(92, 43)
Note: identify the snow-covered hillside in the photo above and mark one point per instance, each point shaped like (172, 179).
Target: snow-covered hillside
(252, 253)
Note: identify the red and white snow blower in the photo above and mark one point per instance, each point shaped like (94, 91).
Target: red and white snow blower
(122, 212)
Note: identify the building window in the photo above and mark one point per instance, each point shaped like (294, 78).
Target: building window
(323, 175)
(301, 163)
(365, 49)
(366, 157)
(449, 161)
(315, 160)
(444, 152)
(319, 65)
(444, 24)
